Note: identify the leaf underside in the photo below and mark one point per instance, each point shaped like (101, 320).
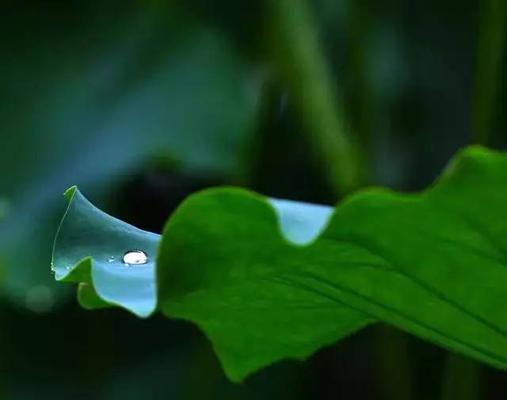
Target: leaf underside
(433, 264)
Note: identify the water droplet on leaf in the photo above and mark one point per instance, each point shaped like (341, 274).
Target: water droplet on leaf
(135, 257)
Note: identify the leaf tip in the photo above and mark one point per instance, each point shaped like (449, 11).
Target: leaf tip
(69, 193)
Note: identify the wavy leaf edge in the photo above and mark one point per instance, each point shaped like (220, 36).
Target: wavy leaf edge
(81, 271)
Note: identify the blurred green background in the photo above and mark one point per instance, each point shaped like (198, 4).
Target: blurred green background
(143, 103)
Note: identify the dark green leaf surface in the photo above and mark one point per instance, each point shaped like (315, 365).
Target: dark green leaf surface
(433, 264)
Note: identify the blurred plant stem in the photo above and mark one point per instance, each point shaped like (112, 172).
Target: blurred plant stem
(300, 60)
(361, 95)
(310, 81)
(393, 346)
(490, 46)
(394, 364)
(462, 379)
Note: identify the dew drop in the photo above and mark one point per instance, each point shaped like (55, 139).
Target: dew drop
(135, 257)
(111, 259)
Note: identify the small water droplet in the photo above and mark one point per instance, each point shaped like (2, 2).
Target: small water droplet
(135, 257)
(111, 259)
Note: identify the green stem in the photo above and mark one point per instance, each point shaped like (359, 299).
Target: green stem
(394, 364)
(302, 63)
(462, 379)
(360, 40)
(488, 67)
(304, 66)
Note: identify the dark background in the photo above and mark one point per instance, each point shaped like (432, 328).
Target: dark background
(143, 103)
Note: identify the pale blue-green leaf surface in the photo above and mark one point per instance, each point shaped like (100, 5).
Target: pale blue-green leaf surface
(89, 249)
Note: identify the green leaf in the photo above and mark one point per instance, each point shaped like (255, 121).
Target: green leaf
(433, 264)
(89, 250)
